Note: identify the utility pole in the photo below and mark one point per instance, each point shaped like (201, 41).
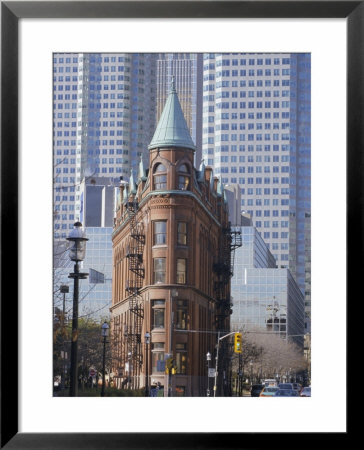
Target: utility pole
(240, 375)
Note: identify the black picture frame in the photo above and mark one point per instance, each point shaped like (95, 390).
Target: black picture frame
(11, 12)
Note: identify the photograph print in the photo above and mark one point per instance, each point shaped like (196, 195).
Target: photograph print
(181, 224)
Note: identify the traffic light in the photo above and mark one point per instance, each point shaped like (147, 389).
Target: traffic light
(171, 367)
(237, 342)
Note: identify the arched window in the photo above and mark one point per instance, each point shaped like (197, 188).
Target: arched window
(160, 177)
(183, 177)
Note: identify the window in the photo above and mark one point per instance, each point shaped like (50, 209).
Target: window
(181, 271)
(158, 357)
(160, 177)
(159, 270)
(180, 391)
(160, 233)
(181, 319)
(158, 308)
(182, 233)
(183, 177)
(181, 358)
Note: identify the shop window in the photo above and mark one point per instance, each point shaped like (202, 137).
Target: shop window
(181, 359)
(180, 391)
(158, 357)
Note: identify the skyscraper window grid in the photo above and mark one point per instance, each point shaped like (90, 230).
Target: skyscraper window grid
(103, 119)
(256, 133)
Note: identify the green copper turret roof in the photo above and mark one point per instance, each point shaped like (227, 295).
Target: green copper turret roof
(132, 186)
(172, 130)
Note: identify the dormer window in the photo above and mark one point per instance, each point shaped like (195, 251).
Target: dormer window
(160, 177)
(183, 178)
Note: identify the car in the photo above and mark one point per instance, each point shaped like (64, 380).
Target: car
(268, 391)
(286, 393)
(297, 387)
(306, 392)
(256, 390)
(270, 382)
(286, 386)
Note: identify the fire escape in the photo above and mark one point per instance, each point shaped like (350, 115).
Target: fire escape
(134, 284)
(224, 268)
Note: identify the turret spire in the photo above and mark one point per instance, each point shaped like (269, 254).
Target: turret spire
(172, 129)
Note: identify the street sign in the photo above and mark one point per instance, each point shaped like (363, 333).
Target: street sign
(92, 372)
(211, 373)
(161, 366)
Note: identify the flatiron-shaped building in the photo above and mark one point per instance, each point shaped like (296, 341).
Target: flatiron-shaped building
(171, 267)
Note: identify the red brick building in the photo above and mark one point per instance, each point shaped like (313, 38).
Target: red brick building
(171, 266)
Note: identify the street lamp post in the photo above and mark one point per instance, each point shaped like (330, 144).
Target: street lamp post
(129, 370)
(104, 334)
(147, 341)
(217, 356)
(208, 359)
(240, 374)
(64, 289)
(77, 252)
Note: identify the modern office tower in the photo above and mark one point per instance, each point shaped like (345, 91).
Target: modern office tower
(95, 290)
(186, 70)
(104, 118)
(171, 276)
(265, 298)
(98, 197)
(98, 200)
(233, 199)
(256, 133)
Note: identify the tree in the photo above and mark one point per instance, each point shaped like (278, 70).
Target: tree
(266, 355)
(90, 347)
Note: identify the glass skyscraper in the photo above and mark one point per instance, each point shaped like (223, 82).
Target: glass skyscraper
(265, 298)
(95, 290)
(103, 120)
(256, 133)
(250, 114)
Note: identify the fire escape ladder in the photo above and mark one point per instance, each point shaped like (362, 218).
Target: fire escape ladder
(134, 284)
(235, 242)
(224, 269)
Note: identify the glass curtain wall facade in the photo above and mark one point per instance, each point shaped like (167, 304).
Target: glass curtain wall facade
(264, 297)
(103, 121)
(95, 290)
(256, 133)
